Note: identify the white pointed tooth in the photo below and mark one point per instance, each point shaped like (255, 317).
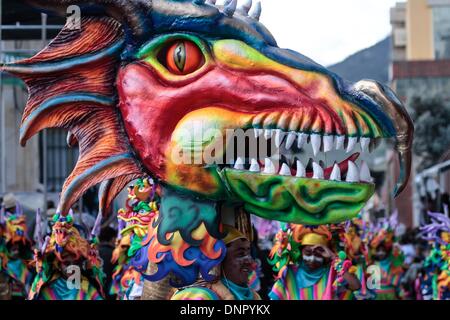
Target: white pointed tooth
(316, 142)
(302, 138)
(290, 140)
(340, 142)
(365, 142)
(285, 170)
(267, 133)
(279, 136)
(336, 173)
(239, 164)
(254, 166)
(364, 173)
(328, 142)
(351, 143)
(256, 133)
(269, 167)
(318, 171)
(260, 132)
(352, 173)
(301, 171)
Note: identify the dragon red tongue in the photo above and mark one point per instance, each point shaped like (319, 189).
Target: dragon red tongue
(342, 165)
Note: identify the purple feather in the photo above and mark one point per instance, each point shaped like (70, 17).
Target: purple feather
(97, 226)
(2, 215)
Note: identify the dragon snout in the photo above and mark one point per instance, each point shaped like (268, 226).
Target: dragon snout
(402, 123)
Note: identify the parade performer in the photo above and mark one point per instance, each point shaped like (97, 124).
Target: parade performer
(15, 251)
(386, 255)
(352, 236)
(234, 280)
(306, 266)
(155, 73)
(434, 283)
(68, 266)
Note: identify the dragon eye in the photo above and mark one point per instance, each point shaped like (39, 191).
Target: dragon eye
(183, 57)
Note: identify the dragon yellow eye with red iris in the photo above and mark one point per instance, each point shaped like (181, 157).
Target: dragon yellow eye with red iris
(184, 57)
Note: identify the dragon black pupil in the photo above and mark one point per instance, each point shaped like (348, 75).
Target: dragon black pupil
(180, 56)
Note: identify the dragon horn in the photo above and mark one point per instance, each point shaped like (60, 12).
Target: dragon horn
(246, 6)
(229, 7)
(256, 10)
(212, 2)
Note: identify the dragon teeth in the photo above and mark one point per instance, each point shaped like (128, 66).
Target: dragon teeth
(279, 136)
(340, 142)
(352, 173)
(302, 138)
(239, 165)
(318, 171)
(290, 140)
(364, 173)
(254, 166)
(336, 173)
(269, 167)
(365, 142)
(267, 134)
(328, 142)
(352, 141)
(301, 171)
(316, 142)
(285, 170)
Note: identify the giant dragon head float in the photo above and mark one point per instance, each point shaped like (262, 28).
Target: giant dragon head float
(152, 87)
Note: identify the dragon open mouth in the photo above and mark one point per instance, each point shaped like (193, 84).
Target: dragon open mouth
(305, 178)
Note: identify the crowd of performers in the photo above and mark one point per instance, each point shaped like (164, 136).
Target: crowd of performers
(355, 260)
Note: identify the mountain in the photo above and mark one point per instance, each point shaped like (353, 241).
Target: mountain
(371, 63)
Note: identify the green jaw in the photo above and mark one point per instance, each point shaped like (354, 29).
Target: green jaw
(298, 200)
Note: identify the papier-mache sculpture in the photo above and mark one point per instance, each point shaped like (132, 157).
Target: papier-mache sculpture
(137, 81)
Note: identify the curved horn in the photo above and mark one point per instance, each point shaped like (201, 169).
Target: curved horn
(246, 6)
(403, 124)
(133, 13)
(230, 7)
(256, 11)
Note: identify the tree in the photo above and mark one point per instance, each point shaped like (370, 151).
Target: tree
(432, 130)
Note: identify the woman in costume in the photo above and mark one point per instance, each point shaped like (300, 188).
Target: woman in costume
(307, 267)
(388, 258)
(15, 251)
(233, 283)
(434, 280)
(68, 266)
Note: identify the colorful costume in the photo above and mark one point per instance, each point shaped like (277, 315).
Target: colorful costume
(155, 73)
(15, 253)
(223, 289)
(68, 266)
(434, 284)
(295, 281)
(391, 267)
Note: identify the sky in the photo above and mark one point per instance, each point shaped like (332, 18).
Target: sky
(327, 31)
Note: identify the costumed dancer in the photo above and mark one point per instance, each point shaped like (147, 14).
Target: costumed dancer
(387, 256)
(353, 240)
(307, 267)
(434, 280)
(233, 283)
(15, 251)
(68, 266)
(141, 208)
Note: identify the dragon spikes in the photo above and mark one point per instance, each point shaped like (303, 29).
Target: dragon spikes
(246, 8)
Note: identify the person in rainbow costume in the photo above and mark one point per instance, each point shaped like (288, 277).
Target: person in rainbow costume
(15, 251)
(353, 240)
(307, 267)
(233, 283)
(68, 266)
(387, 256)
(141, 207)
(434, 283)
